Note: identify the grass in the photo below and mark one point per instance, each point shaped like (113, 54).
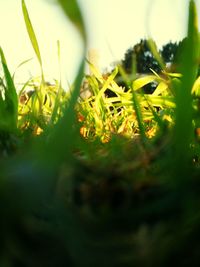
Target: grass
(90, 179)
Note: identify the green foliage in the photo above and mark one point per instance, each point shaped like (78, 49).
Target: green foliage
(183, 132)
(149, 59)
(35, 114)
(72, 10)
(169, 52)
(8, 99)
(106, 181)
(32, 35)
(146, 58)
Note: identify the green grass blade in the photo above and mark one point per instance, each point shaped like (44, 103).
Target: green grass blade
(59, 62)
(11, 98)
(156, 116)
(140, 82)
(160, 89)
(31, 34)
(95, 71)
(21, 64)
(59, 92)
(135, 85)
(152, 46)
(64, 135)
(72, 11)
(137, 107)
(196, 87)
(158, 101)
(183, 130)
(106, 84)
(125, 77)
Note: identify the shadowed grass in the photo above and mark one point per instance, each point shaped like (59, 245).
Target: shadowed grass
(102, 198)
(8, 105)
(183, 130)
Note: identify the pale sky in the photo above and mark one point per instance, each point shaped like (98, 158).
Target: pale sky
(113, 26)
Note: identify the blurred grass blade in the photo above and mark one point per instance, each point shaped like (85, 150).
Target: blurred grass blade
(11, 99)
(137, 107)
(196, 87)
(162, 87)
(59, 92)
(73, 12)
(106, 84)
(153, 48)
(64, 135)
(155, 115)
(135, 102)
(59, 62)
(31, 34)
(188, 67)
(140, 82)
(21, 64)
(125, 76)
(95, 71)
(158, 101)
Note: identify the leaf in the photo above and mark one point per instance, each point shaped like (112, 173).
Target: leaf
(95, 71)
(63, 135)
(21, 64)
(31, 32)
(139, 116)
(140, 82)
(158, 101)
(196, 87)
(107, 83)
(137, 105)
(72, 10)
(11, 99)
(152, 46)
(183, 131)
(99, 101)
(125, 77)
(162, 87)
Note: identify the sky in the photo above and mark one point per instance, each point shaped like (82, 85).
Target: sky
(113, 26)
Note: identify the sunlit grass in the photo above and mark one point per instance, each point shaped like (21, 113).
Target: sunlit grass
(74, 163)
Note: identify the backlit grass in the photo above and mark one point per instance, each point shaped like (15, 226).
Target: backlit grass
(101, 175)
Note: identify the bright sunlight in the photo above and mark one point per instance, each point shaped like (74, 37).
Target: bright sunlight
(113, 27)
